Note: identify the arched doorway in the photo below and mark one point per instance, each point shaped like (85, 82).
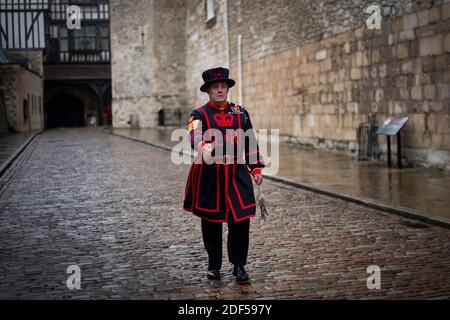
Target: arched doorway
(65, 110)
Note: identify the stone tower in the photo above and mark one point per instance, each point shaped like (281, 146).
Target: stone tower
(148, 62)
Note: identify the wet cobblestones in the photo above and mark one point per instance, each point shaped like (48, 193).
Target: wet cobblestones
(113, 207)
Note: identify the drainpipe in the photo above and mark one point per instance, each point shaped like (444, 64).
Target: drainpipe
(227, 40)
(241, 97)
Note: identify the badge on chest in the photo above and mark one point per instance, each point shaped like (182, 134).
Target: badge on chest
(224, 120)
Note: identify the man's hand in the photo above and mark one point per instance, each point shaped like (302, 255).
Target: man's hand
(207, 153)
(258, 178)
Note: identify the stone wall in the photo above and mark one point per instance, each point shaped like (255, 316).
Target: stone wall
(131, 65)
(266, 27)
(3, 114)
(148, 66)
(8, 86)
(205, 48)
(36, 58)
(169, 54)
(269, 26)
(19, 84)
(319, 93)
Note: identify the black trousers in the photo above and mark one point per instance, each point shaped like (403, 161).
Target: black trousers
(238, 240)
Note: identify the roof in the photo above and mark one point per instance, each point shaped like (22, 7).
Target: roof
(6, 57)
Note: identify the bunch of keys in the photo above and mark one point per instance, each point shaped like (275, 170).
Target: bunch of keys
(262, 204)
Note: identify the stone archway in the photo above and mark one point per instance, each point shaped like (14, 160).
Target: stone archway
(81, 92)
(65, 110)
(94, 104)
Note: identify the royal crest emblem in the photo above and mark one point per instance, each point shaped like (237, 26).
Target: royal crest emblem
(224, 120)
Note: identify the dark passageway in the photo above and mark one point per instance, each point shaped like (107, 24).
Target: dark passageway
(65, 110)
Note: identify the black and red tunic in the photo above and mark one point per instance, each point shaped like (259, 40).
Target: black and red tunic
(213, 191)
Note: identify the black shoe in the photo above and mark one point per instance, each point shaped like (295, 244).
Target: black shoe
(240, 274)
(213, 274)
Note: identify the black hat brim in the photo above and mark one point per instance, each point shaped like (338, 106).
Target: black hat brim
(205, 86)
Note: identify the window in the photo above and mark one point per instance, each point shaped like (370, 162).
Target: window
(103, 11)
(104, 38)
(84, 38)
(89, 12)
(87, 38)
(25, 109)
(209, 9)
(90, 44)
(92, 40)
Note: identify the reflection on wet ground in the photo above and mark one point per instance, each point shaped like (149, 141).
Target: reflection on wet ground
(420, 189)
(9, 142)
(424, 190)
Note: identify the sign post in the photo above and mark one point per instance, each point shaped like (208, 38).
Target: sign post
(392, 127)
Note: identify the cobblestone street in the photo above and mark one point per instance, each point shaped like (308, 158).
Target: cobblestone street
(112, 206)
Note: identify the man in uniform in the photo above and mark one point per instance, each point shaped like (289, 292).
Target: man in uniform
(219, 187)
